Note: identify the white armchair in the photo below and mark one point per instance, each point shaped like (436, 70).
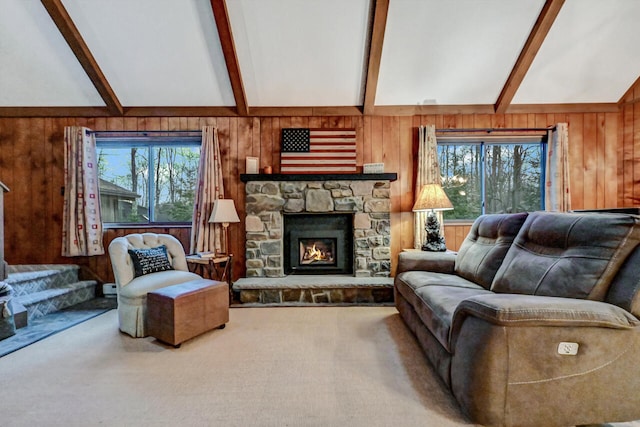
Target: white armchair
(132, 288)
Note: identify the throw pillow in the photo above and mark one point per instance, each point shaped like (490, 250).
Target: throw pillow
(150, 260)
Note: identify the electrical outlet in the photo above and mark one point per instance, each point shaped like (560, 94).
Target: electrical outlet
(568, 348)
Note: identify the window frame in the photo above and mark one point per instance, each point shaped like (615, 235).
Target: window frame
(148, 140)
(483, 142)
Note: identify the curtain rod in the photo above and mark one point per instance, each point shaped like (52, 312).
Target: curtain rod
(490, 130)
(144, 132)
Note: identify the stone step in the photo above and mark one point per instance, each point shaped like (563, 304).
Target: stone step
(49, 300)
(314, 290)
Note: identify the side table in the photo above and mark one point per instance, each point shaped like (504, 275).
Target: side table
(214, 268)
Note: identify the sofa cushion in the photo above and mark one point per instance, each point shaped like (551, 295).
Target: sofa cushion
(140, 286)
(625, 288)
(567, 255)
(438, 305)
(484, 248)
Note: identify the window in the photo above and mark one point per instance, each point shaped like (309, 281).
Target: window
(148, 179)
(492, 175)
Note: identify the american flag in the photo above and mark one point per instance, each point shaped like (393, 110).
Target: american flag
(318, 151)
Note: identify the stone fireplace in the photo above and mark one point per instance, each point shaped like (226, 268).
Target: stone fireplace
(358, 203)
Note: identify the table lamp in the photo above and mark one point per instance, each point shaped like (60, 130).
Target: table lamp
(224, 212)
(432, 198)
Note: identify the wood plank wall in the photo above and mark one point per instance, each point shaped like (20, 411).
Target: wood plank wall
(628, 177)
(32, 156)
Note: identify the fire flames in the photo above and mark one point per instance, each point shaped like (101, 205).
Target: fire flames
(314, 254)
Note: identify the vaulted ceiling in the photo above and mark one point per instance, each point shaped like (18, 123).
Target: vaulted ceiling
(303, 57)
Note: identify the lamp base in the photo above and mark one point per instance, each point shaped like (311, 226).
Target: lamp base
(434, 241)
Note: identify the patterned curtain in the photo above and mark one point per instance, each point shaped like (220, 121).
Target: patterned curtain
(204, 235)
(558, 192)
(428, 173)
(82, 223)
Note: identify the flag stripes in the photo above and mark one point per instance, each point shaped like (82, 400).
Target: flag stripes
(318, 151)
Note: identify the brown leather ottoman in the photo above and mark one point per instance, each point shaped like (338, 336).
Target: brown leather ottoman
(180, 312)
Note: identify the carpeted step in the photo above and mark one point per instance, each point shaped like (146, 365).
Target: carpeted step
(49, 300)
(28, 279)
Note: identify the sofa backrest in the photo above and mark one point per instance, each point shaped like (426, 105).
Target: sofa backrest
(567, 254)
(486, 245)
(625, 288)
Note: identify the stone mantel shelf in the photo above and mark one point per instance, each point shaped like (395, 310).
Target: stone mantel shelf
(245, 177)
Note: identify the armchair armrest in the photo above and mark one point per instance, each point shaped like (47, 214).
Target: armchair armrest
(438, 262)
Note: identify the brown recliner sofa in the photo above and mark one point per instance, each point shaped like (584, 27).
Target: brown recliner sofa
(534, 322)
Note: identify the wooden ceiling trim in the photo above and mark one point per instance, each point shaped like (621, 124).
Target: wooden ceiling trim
(221, 16)
(305, 111)
(602, 107)
(418, 110)
(376, 38)
(318, 111)
(55, 112)
(180, 112)
(541, 28)
(67, 28)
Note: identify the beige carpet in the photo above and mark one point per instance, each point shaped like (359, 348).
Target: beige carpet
(300, 366)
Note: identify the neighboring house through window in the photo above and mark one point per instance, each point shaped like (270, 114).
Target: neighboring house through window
(492, 174)
(147, 177)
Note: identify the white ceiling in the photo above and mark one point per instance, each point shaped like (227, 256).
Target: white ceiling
(315, 53)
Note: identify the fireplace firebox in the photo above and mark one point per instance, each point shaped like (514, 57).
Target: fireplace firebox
(318, 244)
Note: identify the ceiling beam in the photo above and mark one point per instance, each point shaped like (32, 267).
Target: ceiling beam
(67, 28)
(539, 32)
(375, 54)
(221, 16)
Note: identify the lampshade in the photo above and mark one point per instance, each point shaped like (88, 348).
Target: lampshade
(432, 197)
(224, 211)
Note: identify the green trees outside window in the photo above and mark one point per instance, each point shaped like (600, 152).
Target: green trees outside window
(484, 177)
(148, 180)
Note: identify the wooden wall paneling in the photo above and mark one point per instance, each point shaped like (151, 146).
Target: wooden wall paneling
(393, 140)
(19, 230)
(277, 125)
(8, 170)
(38, 184)
(625, 153)
(267, 148)
(193, 123)
(576, 160)
(481, 120)
(376, 139)
(600, 161)
(590, 161)
(367, 140)
(635, 169)
(300, 122)
(391, 159)
(238, 154)
(449, 234)
(406, 172)
(611, 160)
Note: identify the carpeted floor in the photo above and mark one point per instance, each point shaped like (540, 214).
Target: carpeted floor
(53, 323)
(325, 366)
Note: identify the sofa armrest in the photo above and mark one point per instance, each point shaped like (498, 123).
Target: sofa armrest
(438, 262)
(530, 310)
